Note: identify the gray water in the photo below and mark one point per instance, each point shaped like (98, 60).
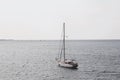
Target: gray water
(35, 60)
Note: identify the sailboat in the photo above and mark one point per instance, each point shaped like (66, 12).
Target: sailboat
(62, 61)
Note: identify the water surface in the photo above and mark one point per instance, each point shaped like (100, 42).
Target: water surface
(35, 60)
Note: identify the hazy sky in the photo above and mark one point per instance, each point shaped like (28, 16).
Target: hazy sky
(42, 19)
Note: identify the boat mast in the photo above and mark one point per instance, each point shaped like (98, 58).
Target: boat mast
(64, 40)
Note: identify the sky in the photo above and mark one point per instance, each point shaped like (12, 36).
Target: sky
(43, 19)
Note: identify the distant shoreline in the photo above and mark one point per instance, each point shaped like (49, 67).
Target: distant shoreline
(6, 39)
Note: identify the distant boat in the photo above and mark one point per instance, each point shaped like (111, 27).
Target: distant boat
(62, 61)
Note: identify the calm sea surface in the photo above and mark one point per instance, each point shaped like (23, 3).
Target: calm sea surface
(35, 60)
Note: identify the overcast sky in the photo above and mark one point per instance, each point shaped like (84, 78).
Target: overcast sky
(42, 19)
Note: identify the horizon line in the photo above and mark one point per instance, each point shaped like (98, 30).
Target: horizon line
(49, 39)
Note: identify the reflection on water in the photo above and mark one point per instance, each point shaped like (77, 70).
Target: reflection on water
(35, 60)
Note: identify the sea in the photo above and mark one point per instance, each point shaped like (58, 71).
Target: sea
(35, 60)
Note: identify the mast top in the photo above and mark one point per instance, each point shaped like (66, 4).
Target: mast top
(64, 23)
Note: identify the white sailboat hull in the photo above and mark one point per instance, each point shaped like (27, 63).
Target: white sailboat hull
(66, 64)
